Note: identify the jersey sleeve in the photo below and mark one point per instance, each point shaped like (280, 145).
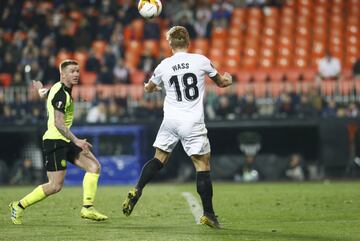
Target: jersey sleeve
(208, 67)
(59, 101)
(156, 77)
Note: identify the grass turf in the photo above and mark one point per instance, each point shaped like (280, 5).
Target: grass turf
(262, 211)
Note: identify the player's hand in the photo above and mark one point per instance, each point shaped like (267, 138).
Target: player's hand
(83, 144)
(40, 88)
(228, 77)
(151, 87)
(37, 84)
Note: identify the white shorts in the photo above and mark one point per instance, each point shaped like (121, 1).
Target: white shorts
(193, 137)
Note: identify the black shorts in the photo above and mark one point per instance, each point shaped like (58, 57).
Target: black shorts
(57, 152)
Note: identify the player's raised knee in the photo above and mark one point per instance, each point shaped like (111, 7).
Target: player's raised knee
(94, 167)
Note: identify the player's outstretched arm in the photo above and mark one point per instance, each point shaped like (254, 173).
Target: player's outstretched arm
(151, 87)
(222, 80)
(40, 88)
(62, 128)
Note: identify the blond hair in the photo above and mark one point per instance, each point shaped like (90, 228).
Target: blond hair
(178, 37)
(66, 63)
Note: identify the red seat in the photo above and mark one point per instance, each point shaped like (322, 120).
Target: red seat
(260, 76)
(308, 74)
(5, 79)
(137, 77)
(243, 76)
(276, 75)
(88, 78)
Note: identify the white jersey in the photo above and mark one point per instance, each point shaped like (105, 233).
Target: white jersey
(183, 75)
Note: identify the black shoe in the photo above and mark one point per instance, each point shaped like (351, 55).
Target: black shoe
(210, 219)
(130, 201)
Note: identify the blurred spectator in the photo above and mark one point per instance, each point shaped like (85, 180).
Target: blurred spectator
(113, 112)
(147, 62)
(249, 171)
(7, 65)
(356, 69)
(352, 110)
(285, 105)
(82, 38)
(92, 63)
(151, 29)
(224, 110)
(18, 80)
(109, 58)
(51, 73)
(105, 76)
(23, 173)
(330, 109)
(341, 111)
(296, 169)
(248, 107)
(255, 3)
(121, 73)
(97, 113)
(202, 24)
(329, 67)
(305, 108)
(221, 13)
(105, 28)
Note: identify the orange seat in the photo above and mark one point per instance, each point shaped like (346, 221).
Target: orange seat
(137, 27)
(283, 61)
(87, 93)
(88, 78)
(62, 55)
(328, 87)
(105, 90)
(308, 74)
(5, 79)
(232, 65)
(133, 47)
(137, 77)
(259, 89)
(276, 75)
(346, 87)
(244, 76)
(300, 62)
(219, 33)
(292, 75)
(132, 60)
(81, 57)
(260, 76)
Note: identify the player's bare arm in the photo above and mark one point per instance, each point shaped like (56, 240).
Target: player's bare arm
(151, 87)
(222, 80)
(43, 92)
(60, 125)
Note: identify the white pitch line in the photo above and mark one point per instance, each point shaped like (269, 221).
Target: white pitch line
(195, 207)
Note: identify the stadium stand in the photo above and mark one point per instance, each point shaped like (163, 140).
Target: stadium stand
(264, 48)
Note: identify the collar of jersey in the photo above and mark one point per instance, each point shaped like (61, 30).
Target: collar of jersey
(180, 53)
(68, 89)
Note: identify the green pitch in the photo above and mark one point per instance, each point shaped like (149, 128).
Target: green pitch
(268, 211)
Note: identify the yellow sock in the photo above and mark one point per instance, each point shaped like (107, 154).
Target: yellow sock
(90, 185)
(35, 196)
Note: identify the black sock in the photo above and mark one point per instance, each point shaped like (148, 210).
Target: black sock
(19, 204)
(205, 190)
(148, 172)
(87, 206)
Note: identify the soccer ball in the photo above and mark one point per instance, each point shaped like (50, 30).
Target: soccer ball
(149, 8)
